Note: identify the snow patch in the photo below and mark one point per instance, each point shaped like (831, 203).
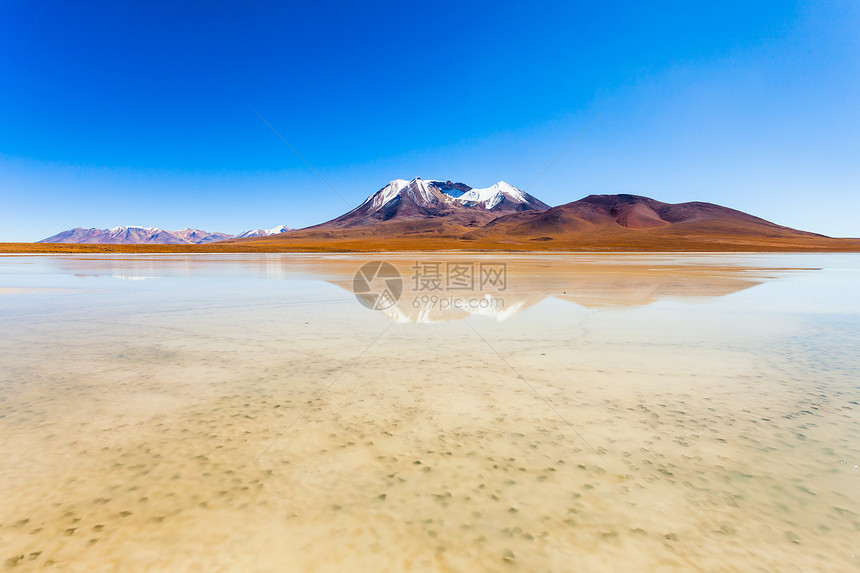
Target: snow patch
(489, 197)
(420, 192)
(263, 232)
(387, 193)
(428, 191)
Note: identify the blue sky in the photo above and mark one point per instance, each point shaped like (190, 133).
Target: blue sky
(143, 112)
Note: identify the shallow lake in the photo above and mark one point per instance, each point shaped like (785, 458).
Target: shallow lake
(430, 412)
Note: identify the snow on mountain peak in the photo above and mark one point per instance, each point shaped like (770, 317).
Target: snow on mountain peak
(489, 197)
(127, 228)
(420, 192)
(263, 232)
(387, 193)
(511, 191)
(435, 191)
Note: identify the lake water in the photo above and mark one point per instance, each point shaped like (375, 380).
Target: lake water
(462, 413)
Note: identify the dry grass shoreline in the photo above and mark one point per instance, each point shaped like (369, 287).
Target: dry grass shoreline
(693, 244)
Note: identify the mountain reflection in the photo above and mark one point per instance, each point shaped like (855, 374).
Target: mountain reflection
(607, 282)
(452, 286)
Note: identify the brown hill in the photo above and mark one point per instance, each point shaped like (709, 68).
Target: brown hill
(609, 214)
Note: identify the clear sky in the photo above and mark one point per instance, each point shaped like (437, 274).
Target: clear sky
(142, 113)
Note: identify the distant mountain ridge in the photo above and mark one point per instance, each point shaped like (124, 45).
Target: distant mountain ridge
(134, 235)
(263, 232)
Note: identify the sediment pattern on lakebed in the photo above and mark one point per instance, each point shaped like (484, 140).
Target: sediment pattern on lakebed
(253, 427)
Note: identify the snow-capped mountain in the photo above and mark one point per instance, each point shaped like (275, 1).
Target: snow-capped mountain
(421, 199)
(263, 232)
(136, 235)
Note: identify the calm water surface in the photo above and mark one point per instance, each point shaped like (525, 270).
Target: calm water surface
(559, 413)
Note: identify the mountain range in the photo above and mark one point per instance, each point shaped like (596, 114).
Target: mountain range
(434, 214)
(152, 235)
(437, 215)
